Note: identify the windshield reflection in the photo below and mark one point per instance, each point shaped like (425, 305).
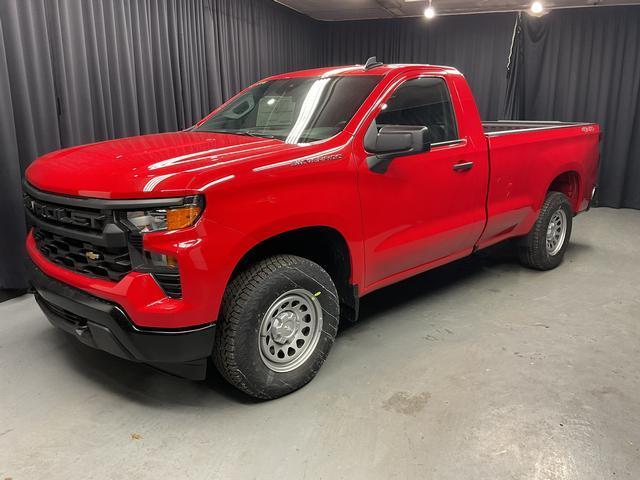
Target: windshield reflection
(293, 110)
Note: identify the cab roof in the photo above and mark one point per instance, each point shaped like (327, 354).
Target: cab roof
(355, 70)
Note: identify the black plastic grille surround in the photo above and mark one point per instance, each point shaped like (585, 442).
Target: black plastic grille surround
(92, 236)
(75, 238)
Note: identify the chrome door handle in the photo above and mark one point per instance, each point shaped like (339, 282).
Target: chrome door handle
(463, 166)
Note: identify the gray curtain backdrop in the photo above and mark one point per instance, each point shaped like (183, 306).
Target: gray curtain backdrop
(130, 67)
(28, 121)
(9, 177)
(259, 38)
(584, 65)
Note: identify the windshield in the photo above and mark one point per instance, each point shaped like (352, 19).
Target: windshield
(295, 110)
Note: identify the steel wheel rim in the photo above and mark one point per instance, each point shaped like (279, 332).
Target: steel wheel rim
(556, 232)
(290, 330)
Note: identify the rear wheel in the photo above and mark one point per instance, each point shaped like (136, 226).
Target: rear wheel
(279, 320)
(544, 247)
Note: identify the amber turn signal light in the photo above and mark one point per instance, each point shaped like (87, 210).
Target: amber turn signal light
(182, 217)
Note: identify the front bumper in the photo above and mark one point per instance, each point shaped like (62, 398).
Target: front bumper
(106, 326)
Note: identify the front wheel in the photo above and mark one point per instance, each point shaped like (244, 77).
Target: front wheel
(279, 320)
(544, 247)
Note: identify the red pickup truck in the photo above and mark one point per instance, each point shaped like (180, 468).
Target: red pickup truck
(248, 238)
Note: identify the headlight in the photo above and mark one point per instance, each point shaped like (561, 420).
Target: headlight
(170, 218)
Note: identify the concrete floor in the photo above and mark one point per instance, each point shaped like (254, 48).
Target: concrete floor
(478, 370)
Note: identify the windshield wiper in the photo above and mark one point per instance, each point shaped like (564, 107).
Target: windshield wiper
(254, 133)
(247, 133)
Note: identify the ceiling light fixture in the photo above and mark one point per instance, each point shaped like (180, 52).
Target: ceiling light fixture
(537, 8)
(429, 12)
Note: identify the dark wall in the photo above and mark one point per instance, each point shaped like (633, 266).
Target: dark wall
(584, 65)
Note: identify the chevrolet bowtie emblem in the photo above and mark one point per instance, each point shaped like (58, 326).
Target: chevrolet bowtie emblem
(92, 255)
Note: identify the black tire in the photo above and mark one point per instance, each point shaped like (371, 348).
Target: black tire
(532, 249)
(237, 353)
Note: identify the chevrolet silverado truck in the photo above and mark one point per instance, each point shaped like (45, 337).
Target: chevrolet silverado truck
(245, 240)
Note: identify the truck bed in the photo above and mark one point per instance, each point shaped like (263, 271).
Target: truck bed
(524, 165)
(504, 127)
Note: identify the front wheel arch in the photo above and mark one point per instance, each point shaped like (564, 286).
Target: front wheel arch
(323, 245)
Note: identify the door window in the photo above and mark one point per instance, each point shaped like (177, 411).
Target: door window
(422, 102)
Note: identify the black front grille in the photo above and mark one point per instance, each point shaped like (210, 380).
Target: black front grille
(91, 236)
(84, 257)
(81, 239)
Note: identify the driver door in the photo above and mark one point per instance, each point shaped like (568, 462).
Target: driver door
(425, 209)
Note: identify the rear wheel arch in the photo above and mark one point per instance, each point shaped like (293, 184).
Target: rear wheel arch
(544, 246)
(568, 183)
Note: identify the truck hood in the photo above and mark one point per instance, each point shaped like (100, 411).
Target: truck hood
(147, 166)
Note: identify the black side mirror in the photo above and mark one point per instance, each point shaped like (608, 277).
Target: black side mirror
(394, 141)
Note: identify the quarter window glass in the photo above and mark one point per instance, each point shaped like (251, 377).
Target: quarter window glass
(422, 102)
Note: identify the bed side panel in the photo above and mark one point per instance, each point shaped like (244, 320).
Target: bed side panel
(523, 165)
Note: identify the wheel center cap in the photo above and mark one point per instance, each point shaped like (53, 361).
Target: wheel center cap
(284, 327)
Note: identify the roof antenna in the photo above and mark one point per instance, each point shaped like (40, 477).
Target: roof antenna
(372, 62)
